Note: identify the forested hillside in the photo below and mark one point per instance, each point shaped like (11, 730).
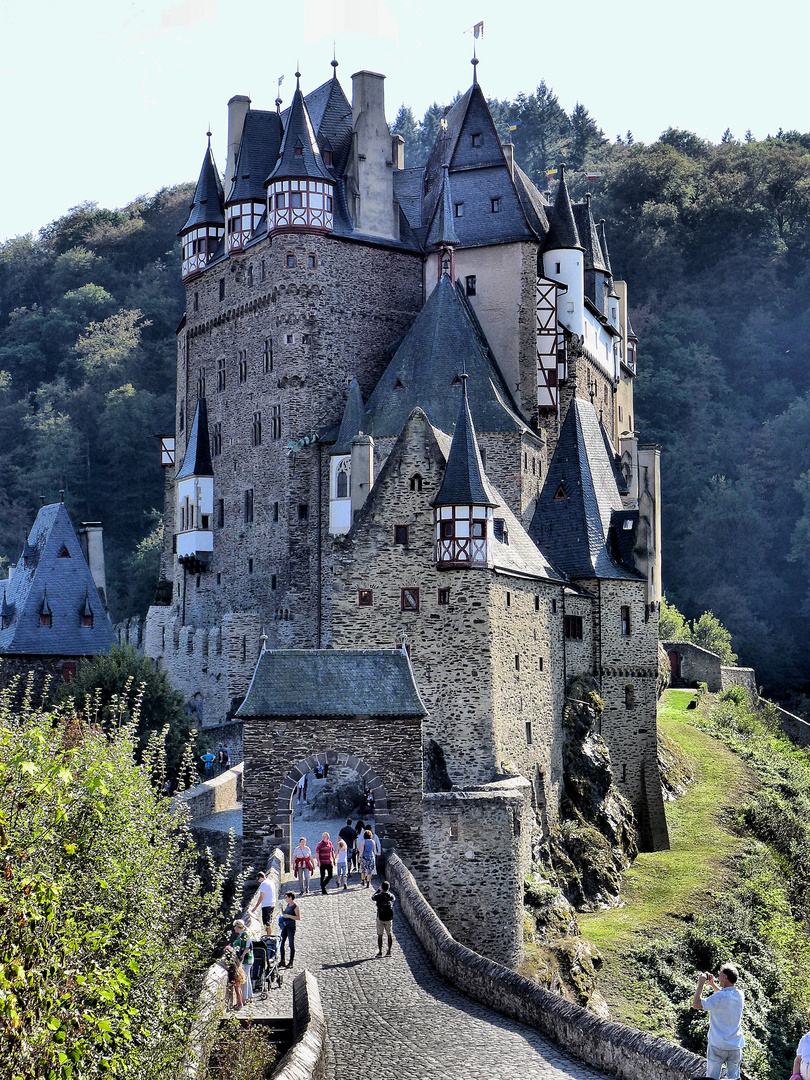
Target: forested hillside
(713, 240)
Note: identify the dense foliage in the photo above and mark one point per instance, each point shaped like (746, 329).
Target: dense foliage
(707, 631)
(758, 914)
(714, 241)
(106, 929)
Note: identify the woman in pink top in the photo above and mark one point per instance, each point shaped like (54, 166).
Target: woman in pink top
(325, 855)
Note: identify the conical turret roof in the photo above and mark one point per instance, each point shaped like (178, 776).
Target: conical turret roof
(604, 246)
(443, 233)
(352, 422)
(464, 482)
(197, 461)
(300, 156)
(586, 230)
(208, 207)
(562, 231)
(258, 153)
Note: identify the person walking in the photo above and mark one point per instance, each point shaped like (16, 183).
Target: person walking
(291, 914)
(342, 864)
(325, 854)
(385, 900)
(359, 826)
(303, 865)
(348, 834)
(243, 947)
(725, 1008)
(266, 900)
(367, 861)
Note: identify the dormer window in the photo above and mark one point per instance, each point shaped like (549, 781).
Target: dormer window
(560, 493)
(496, 205)
(45, 618)
(299, 151)
(87, 620)
(63, 552)
(327, 157)
(475, 139)
(459, 209)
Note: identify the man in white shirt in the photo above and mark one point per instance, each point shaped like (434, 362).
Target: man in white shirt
(266, 899)
(725, 1007)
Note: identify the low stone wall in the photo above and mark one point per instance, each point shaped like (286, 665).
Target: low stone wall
(796, 729)
(616, 1049)
(696, 665)
(307, 1057)
(223, 792)
(739, 676)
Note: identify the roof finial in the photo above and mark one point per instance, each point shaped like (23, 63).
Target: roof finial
(41, 499)
(562, 171)
(475, 61)
(61, 494)
(297, 77)
(208, 133)
(334, 59)
(588, 199)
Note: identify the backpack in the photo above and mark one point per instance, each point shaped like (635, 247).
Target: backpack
(385, 908)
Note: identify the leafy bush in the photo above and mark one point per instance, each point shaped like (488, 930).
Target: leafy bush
(737, 694)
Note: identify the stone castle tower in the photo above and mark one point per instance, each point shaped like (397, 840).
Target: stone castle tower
(405, 420)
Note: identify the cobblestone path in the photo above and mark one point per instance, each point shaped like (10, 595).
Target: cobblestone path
(394, 1018)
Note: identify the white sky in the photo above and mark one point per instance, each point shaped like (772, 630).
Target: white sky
(109, 99)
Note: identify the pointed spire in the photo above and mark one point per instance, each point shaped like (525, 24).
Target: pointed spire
(352, 422)
(562, 232)
(464, 482)
(445, 233)
(300, 156)
(197, 461)
(87, 610)
(208, 207)
(45, 607)
(604, 247)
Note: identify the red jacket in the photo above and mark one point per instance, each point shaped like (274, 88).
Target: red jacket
(325, 852)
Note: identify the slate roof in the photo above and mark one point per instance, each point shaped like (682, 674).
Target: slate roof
(208, 206)
(604, 246)
(464, 482)
(443, 233)
(331, 115)
(586, 230)
(574, 530)
(197, 460)
(258, 153)
(562, 231)
(533, 203)
(299, 133)
(425, 369)
(352, 422)
(59, 585)
(332, 682)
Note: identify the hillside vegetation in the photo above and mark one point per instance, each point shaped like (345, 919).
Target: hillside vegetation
(714, 242)
(731, 887)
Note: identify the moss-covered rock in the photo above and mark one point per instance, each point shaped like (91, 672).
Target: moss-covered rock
(674, 766)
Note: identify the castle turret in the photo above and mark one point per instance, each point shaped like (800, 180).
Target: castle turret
(205, 225)
(300, 189)
(340, 463)
(262, 133)
(195, 497)
(562, 259)
(596, 273)
(443, 235)
(463, 507)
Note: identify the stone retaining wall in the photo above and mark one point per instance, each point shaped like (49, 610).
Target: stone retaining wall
(739, 676)
(307, 1057)
(796, 729)
(221, 792)
(615, 1048)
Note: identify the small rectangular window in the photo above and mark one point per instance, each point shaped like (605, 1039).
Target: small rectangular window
(517, 661)
(290, 260)
(459, 209)
(495, 205)
(249, 506)
(401, 534)
(275, 421)
(243, 366)
(222, 288)
(537, 603)
(303, 511)
(263, 271)
(220, 513)
(444, 597)
(257, 429)
(250, 566)
(539, 663)
(573, 627)
(219, 579)
(221, 373)
(553, 607)
(273, 582)
(476, 139)
(305, 339)
(508, 599)
(528, 733)
(625, 622)
(196, 301)
(290, 339)
(558, 269)
(268, 355)
(409, 600)
(275, 511)
(311, 262)
(469, 283)
(250, 276)
(216, 441)
(365, 597)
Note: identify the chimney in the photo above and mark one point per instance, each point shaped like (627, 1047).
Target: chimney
(509, 154)
(370, 170)
(398, 151)
(238, 108)
(92, 542)
(362, 469)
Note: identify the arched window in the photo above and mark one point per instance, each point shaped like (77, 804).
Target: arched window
(342, 480)
(416, 482)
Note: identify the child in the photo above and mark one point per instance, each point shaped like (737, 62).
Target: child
(342, 863)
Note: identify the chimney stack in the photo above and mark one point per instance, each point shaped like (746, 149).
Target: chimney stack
(370, 169)
(91, 538)
(362, 469)
(398, 151)
(238, 108)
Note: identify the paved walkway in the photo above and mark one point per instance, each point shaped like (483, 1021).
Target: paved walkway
(394, 1018)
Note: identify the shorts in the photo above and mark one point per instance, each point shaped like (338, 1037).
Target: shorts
(367, 864)
(384, 927)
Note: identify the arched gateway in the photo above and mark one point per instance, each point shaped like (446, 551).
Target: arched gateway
(309, 707)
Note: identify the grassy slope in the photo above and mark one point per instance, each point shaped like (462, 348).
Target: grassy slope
(663, 886)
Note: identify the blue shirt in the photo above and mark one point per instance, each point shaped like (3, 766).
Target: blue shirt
(725, 1018)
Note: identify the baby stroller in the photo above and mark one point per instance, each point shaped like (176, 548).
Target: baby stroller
(266, 972)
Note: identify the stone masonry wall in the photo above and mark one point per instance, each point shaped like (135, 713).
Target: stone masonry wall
(739, 676)
(697, 665)
(472, 836)
(615, 1048)
(385, 751)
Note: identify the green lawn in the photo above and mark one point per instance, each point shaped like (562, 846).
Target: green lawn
(662, 886)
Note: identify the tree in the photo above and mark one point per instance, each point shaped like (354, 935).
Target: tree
(405, 125)
(672, 626)
(709, 633)
(124, 676)
(585, 135)
(105, 926)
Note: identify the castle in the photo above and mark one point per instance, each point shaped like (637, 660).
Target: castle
(406, 504)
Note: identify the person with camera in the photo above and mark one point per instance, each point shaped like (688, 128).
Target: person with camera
(725, 1008)
(385, 900)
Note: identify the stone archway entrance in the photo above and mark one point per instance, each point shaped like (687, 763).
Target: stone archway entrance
(333, 758)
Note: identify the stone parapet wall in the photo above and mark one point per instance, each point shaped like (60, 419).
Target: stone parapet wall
(475, 834)
(796, 729)
(307, 1057)
(697, 665)
(739, 676)
(617, 1049)
(221, 792)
